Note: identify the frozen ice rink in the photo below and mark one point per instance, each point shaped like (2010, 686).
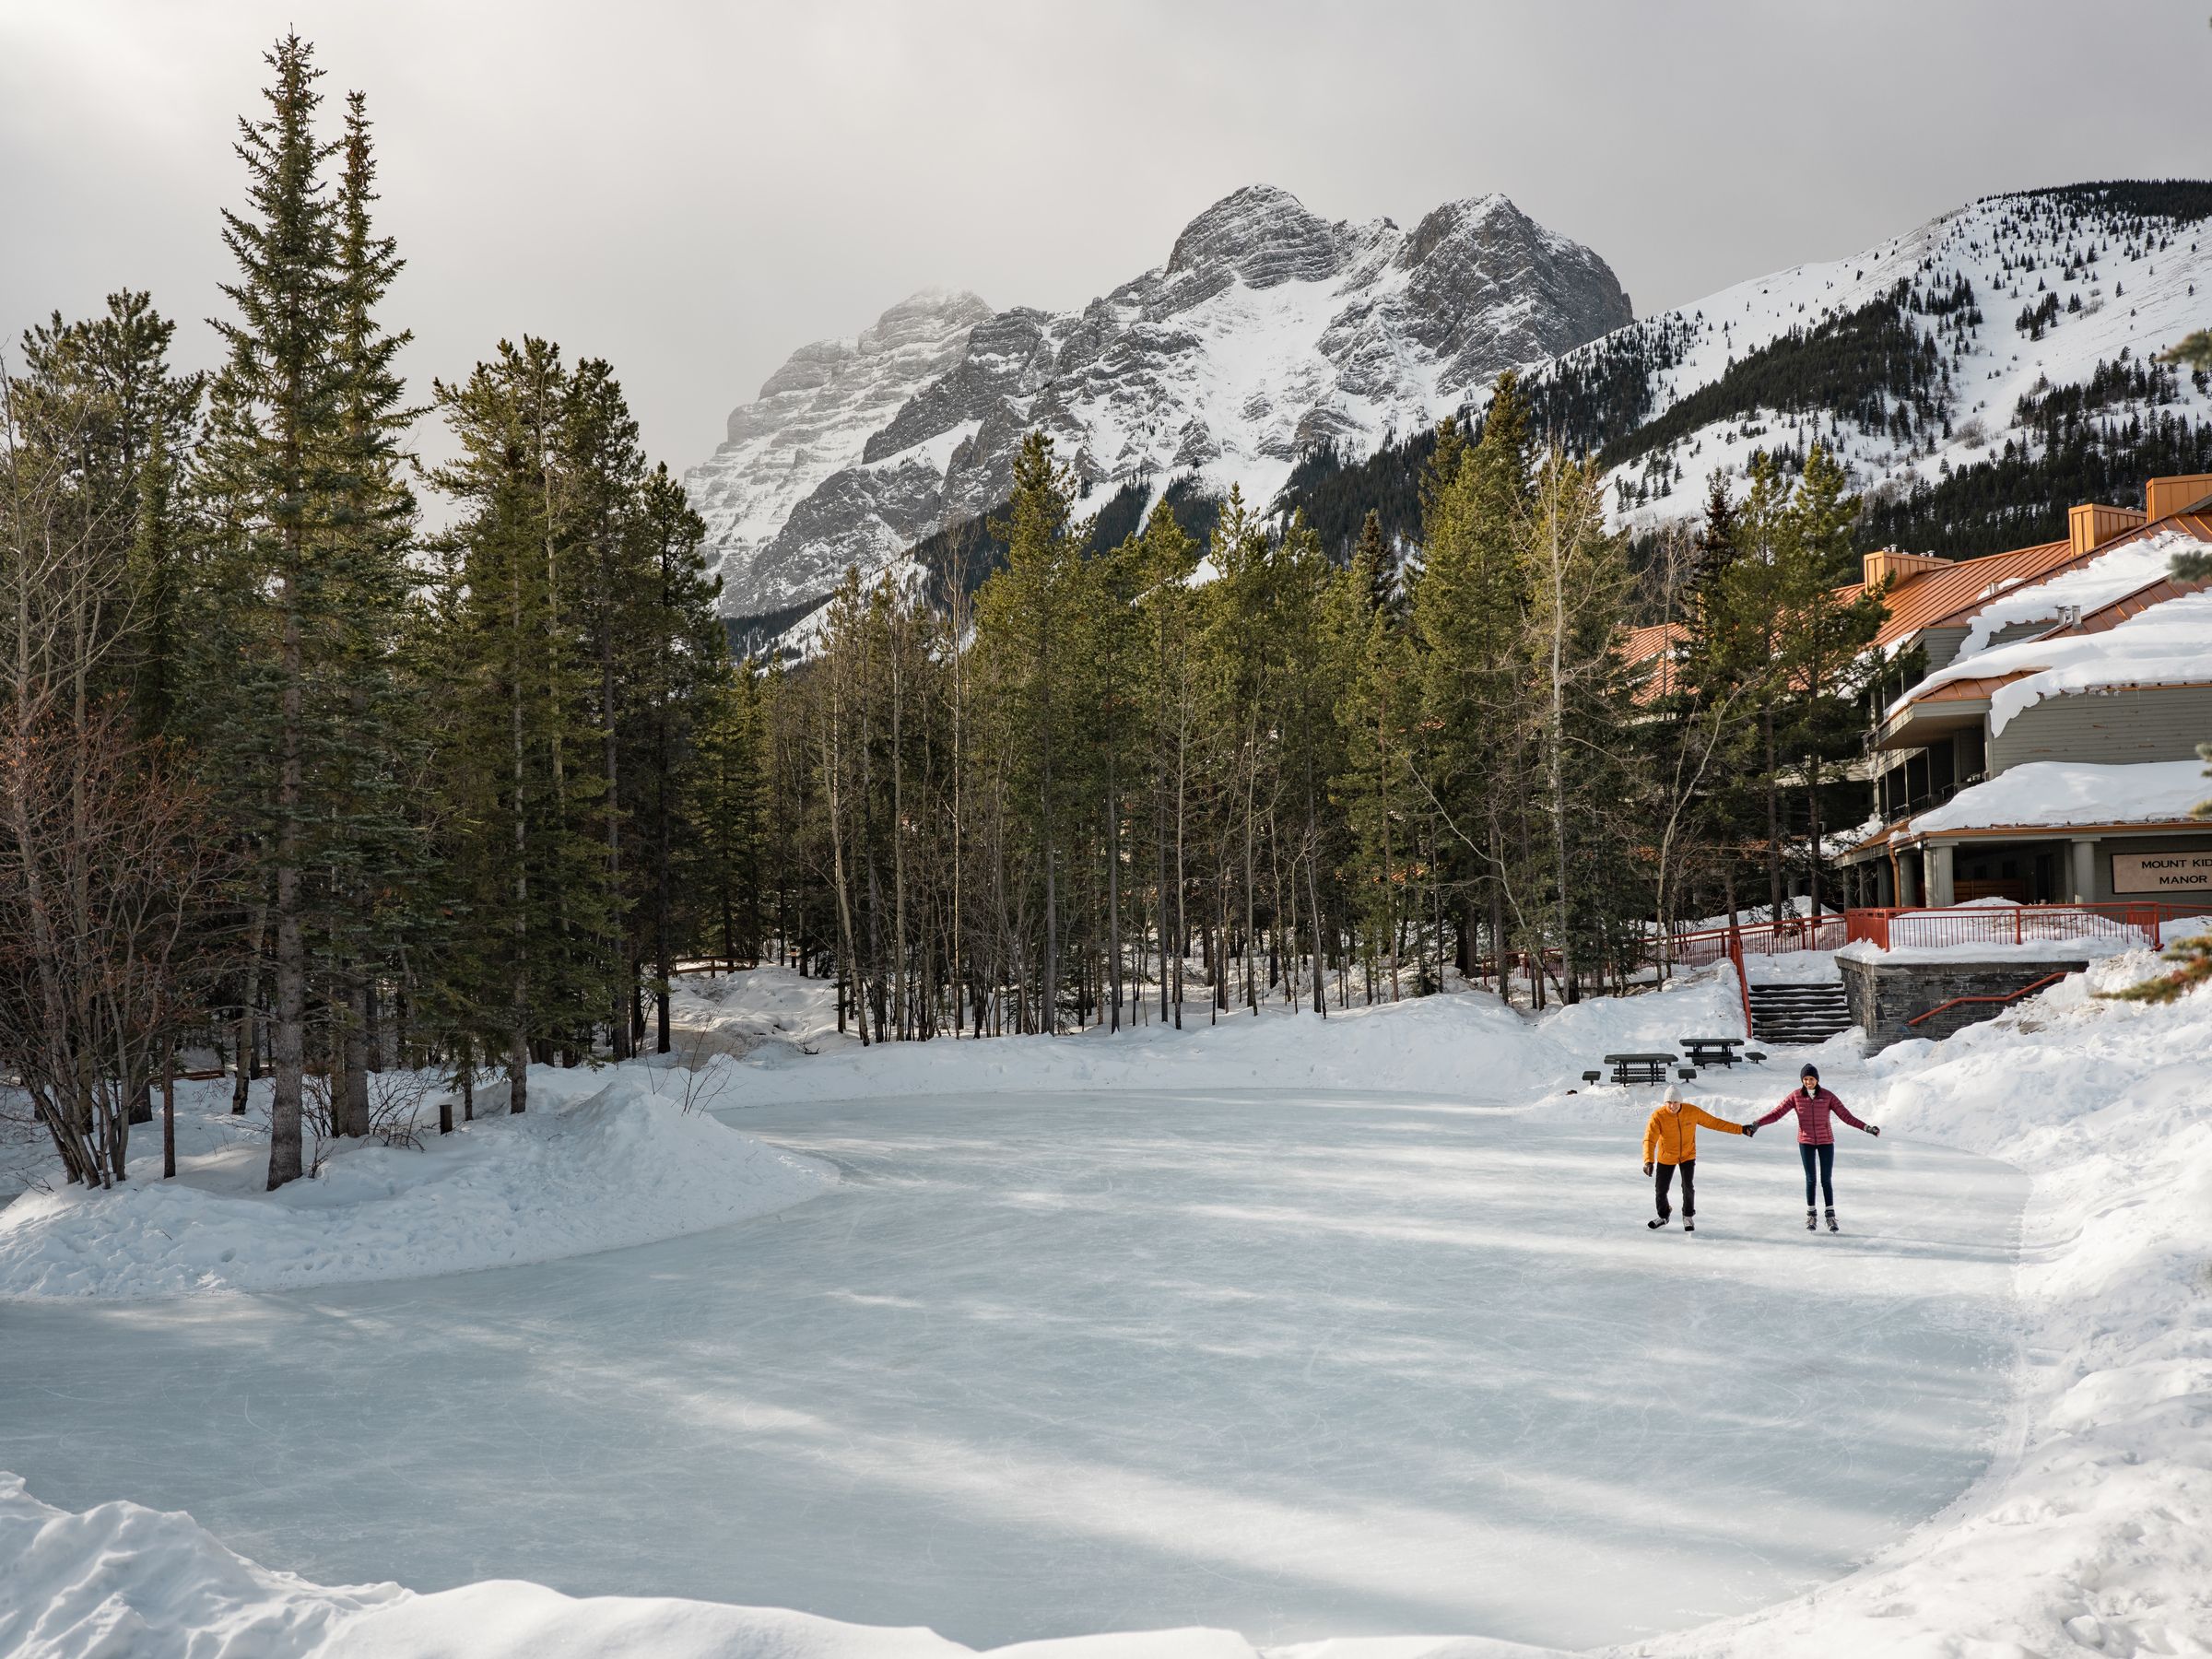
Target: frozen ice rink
(1294, 1365)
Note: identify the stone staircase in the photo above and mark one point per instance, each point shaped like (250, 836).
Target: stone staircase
(1799, 1014)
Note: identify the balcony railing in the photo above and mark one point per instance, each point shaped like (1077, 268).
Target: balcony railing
(1927, 927)
(1924, 928)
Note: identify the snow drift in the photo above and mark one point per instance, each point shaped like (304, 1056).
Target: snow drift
(605, 1159)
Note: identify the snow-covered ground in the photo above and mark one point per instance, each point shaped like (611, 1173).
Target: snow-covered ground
(603, 1159)
(1380, 1347)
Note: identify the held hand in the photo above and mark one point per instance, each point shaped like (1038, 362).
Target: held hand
(1874, 1128)
(1647, 1169)
(1750, 1130)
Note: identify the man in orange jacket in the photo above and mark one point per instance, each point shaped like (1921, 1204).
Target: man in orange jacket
(1670, 1143)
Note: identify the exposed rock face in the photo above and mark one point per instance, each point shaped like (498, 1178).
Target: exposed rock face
(1267, 332)
(784, 465)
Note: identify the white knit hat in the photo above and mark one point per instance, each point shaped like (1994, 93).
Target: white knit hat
(1673, 1093)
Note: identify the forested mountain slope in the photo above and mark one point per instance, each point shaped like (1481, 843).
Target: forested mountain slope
(1977, 375)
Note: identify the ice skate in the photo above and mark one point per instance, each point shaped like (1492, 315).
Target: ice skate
(1831, 1222)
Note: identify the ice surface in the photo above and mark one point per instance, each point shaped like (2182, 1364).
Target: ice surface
(1296, 1364)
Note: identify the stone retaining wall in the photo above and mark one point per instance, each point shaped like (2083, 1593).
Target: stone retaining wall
(1884, 995)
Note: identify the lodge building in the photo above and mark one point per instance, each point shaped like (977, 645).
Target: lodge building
(2047, 753)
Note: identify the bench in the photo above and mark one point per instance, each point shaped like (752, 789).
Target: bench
(1639, 1068)
(1711, 1051)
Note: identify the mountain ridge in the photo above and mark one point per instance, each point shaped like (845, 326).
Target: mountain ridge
(1266, 333)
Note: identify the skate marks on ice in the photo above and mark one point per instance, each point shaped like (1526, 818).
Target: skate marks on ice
(1294, 1365)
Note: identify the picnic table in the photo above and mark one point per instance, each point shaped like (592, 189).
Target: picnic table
(1711, 1051)
(1639, 1068)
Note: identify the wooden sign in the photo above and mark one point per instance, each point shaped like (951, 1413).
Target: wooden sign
(2159, 872)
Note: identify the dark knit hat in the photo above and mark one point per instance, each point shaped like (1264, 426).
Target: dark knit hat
(1808, 1070)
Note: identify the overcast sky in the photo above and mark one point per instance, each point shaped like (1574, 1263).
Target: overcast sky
(691, 188)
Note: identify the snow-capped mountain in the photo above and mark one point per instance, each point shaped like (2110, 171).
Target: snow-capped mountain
(1267, 333)
(1916, 361)
(774, 528)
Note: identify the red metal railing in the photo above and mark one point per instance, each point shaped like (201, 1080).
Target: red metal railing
(2048, 979)
(1743, 980)
(1753, 938)
(1893, 928)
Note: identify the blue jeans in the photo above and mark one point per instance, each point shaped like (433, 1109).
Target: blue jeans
(1827, 1161)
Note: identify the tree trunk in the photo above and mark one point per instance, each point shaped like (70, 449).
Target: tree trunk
(354, 1122)
(287, 1037)
(168, 1109)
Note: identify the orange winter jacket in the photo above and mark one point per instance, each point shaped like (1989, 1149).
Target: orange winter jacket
(1671, 1137)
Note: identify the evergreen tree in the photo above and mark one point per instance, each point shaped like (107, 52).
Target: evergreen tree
(1170, 709)
(551, 915)
(272, 467)
(1033, 663)
(1371, 557)
(1378, 712)
(1467, 612)
(684, 661)
(725, 862)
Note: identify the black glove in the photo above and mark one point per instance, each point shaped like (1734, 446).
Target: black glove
(1874, 1128)
(1750, 1130)
(1647, 1169)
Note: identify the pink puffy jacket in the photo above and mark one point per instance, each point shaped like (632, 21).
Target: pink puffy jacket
(1813, 1128)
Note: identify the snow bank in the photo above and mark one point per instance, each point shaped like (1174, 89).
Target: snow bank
(2063, 792)
(603, 1159)
(123, 1580)
(1467, 1045)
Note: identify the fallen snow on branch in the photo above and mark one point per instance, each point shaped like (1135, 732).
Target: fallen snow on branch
(601, 1160)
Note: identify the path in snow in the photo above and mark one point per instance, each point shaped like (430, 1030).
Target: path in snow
(1295, 1365)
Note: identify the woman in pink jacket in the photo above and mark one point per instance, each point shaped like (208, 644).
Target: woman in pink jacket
(1816, 1136)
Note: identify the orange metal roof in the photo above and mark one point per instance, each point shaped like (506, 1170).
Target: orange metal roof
(1966, 690)
(1654, 644)
(1924, 600)
(1953, 592)
(2195, 524)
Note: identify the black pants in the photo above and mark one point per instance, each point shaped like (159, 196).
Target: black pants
(1825, 1158)
(1663, 1177)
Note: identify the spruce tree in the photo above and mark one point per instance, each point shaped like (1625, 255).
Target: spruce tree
(1024, 615)
(550, 919)
(272, 458)
(1466, 618)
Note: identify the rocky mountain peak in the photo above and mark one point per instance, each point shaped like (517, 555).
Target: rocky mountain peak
(1470, 216)
(923, 319)
(1270, 331)
(1262, 236)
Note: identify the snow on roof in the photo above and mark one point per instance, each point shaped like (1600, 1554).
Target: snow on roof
(2134, 564)
(2062, 792)
(1926, 597)
(2170, 644)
